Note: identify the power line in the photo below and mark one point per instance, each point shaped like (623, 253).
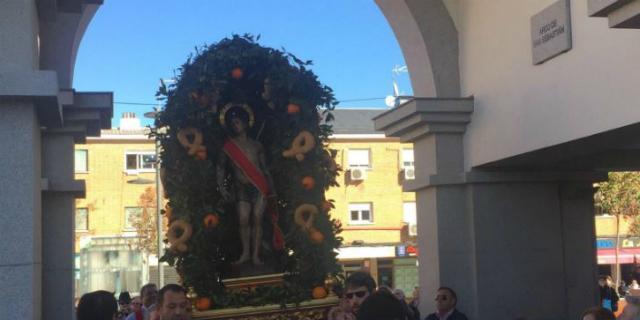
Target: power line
(156, 104)
(135, 103)
(364, 99)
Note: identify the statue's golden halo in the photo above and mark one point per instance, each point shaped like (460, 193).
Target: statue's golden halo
(244, 106)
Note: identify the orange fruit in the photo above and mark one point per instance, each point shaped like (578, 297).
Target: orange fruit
(316, 236)
(203, 303)
(308, 182)
(201, 155)
(293, 108)
(319, 292)
(211, 220)
(237, 73)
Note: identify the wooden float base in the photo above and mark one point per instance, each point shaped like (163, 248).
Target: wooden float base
(308, 310)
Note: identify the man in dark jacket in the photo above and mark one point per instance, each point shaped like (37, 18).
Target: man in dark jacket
(446, 300)
(608, 295)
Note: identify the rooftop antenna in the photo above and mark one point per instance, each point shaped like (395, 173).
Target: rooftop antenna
(394, 100)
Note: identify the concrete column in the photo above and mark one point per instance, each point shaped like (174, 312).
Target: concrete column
(578, 229)
(511, 244)
(445, 230)
(20, 203)
(58, 257)
(18, 36)
(58, 226)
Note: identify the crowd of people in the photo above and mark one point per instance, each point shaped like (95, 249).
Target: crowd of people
(610, 301)
(170, 303)
(360, 300)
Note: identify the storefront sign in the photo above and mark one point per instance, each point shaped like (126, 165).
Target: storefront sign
(551, 31)
(401, 251)
(605, 243)
(631, 242)
(366, 252)
(610, 243)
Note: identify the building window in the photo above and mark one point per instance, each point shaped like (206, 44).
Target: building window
(407, 158)
(409, 217)
(82, 219)
(359, 158)
(81, 163)
(140, 161)
(131, 216)
(360, 213)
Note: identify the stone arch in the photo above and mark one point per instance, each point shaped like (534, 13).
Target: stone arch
(429, 41)
(45, 35)
(60, 37)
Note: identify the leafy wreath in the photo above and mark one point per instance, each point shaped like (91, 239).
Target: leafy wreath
(286, 100)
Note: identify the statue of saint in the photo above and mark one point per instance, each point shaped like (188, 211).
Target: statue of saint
(252, 187)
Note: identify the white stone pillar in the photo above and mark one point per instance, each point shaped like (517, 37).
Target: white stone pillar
(58, 205)
(20, 164)
(20, 203)
(511, 244)
(435, 126)
(37, 35)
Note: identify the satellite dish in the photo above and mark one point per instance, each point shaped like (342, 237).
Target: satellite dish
(390, 101)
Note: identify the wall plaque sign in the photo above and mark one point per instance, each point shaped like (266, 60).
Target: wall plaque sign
(551, 31)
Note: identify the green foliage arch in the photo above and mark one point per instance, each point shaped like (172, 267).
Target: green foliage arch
(239, 70)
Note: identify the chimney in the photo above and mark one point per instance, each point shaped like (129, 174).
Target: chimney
(129, 122)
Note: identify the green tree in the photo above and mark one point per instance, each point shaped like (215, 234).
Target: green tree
(145, 224)
(620, 197)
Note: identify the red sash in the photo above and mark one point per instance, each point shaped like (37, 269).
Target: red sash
(260, 182)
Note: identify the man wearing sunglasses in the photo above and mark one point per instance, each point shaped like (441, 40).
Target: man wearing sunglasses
(446, 300)
(359, 285)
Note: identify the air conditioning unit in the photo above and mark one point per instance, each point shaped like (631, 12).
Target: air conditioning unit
(357, 174)
(409, 173)
(413, 230)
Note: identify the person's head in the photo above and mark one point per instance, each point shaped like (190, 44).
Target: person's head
(598, 313)
(97, 305)
(173, 303)
(385, 288)
(358, 286)
(399, 294)
(124, 301)
(149, 294)
(605, 280)
(237, 120)
(446, 299)
(381, 305)
(415, 296)
(632, 310)
(136, 304)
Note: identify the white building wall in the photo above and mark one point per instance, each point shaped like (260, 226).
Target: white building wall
(520, 107)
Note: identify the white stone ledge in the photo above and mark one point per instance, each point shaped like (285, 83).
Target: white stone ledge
(421, 116)
(479, 177)
(35, 84)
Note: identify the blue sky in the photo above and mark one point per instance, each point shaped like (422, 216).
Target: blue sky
(131, 44)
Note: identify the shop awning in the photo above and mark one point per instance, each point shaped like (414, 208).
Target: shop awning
(608, 256)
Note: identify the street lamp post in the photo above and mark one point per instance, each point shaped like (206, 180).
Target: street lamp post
(153, 115)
